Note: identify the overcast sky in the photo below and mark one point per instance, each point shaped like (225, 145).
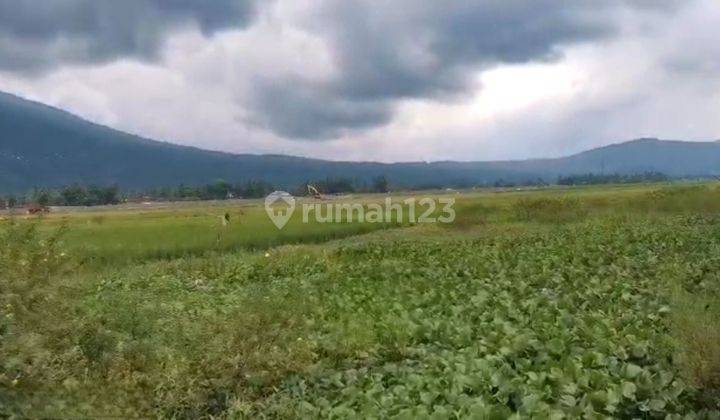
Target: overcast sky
(389, 80)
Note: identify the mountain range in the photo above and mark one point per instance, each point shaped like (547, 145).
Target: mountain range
(42, 146)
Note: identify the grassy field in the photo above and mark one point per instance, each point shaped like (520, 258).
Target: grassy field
(125, 237)
(586, 302)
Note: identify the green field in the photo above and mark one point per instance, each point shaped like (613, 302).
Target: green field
(131, 237)
(586, 302)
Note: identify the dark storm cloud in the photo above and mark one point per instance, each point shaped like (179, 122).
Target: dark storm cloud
(295, 109)
(41, 34)
(386, 51)
(429, 48)
(381, 51)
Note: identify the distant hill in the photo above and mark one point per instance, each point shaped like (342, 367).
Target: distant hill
(41, 146)
(673, 158)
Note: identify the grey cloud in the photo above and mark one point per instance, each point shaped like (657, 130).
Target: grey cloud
(387, 51)
(697, 56)
(38, 35)
(383, 51)
(426, 49)
(295, 109)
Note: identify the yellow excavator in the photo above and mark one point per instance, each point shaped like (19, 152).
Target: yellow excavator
(313, 192)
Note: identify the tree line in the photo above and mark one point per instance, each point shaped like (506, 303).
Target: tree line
(74, 195)
(79, 195)
(596, 179)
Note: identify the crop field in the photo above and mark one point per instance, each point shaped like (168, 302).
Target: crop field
(587, 302)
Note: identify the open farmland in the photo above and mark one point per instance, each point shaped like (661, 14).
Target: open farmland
(186, 229)
(590, 302)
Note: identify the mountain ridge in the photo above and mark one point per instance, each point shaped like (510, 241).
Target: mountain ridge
(44, 146)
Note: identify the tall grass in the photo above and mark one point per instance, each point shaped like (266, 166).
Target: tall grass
(129, 238)
(696, 328)
(696, 199)
(36, 321)
(549, 209)
(141, 341)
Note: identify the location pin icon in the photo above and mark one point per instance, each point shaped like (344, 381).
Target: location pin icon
(280, 206)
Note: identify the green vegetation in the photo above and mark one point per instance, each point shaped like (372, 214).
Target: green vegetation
(119, 239)
(568, 303)
(77, 195)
